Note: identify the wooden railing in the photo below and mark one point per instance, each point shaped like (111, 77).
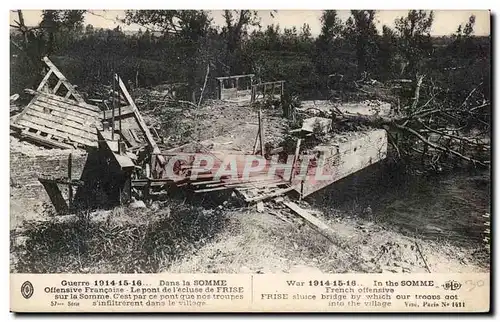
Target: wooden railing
(267, 89)
(233, 85)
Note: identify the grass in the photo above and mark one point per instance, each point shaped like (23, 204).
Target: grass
(127, 241)
(183, 237)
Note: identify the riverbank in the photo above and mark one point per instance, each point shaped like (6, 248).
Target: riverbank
(419, 225)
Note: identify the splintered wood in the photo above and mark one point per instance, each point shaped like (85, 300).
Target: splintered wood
(58, 118)
(315, 222)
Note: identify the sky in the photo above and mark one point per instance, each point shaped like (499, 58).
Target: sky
(445, 21)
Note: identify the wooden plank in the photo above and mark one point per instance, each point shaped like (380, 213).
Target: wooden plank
(44, 80)
(20, 115)
(316, 223)
(256, 143)
(141, 123)
(84, 108)
(55, 133)
(63, 129)
(82, 119)
(211, 189)
(56, 113)
(128, 137)
(271, 83)
(261, 133)
(61, 120)
(127, 111)
(70, 187)
(56, 88)
(44, 141)
(237, 184)
(235, 76)
(270, 195)
(64, 109)
(276, 150)
(123, 161)
(138, 117)
(62, 78)
(55, 196)
(34, 113)
(134, 135)
(256, 185)
(199, 183)
(295, 157)
(78, 105)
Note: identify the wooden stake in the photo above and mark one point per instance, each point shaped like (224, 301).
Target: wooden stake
(295, 157)
(421, 255)
(113, 112)
(204, 84)
(282, 92)
(261, 133)
(256, 143)
(70, 188)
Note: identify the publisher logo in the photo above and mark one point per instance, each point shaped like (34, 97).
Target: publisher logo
(452, 285)
(27, 289)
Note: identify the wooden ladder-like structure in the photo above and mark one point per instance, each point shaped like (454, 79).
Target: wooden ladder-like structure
(57, 116)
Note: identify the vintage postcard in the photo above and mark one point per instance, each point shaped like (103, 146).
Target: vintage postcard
(250, 160)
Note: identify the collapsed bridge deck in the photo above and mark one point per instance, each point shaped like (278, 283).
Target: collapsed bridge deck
(134, 163)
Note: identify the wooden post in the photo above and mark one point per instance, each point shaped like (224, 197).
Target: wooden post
(252, 97)
(70, 188)
(256, 141)
(113, 112)
(104, 114)
(295, 157)
(140, 120)
(282, 92)
(261, 133)
(153, 166)
(120, 122)
(236, 86)
(126, 189)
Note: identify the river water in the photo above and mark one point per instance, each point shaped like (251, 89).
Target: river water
(447, 207)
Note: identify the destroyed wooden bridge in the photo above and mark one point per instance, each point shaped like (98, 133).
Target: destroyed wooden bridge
(130, 163)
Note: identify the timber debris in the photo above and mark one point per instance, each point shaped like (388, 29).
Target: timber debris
(131, 165)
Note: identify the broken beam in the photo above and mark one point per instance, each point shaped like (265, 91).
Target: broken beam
(71, 89)
(138, 117)
(211, 189)
(316, 223)
(268, 196)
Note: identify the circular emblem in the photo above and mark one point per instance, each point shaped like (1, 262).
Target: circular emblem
(27, 289)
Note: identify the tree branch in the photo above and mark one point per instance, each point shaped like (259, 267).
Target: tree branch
(438, 147)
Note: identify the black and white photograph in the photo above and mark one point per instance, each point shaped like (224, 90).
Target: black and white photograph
(250, 141)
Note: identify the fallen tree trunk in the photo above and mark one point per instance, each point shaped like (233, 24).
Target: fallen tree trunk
(415, 125)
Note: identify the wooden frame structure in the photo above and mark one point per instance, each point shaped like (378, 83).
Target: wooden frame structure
(233, 91)
(51, 185)
(268, 89)
(58, 116)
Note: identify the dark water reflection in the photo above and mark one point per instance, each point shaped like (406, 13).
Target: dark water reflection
(449, 207)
